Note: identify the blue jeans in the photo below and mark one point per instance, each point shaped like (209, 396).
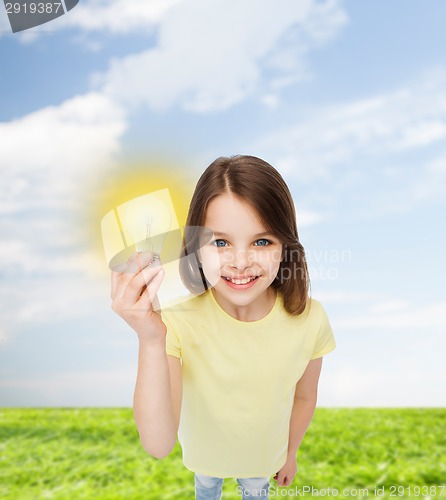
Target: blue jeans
(209, 488)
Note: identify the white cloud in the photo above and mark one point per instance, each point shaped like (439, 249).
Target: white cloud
(308, 217)
(270, 101)
(347, 297)
(388, 306)
(403, 120)
(40, 289)
(210, 55)
(46, 157)
(427, 317)
(405, 382)
(117, 16)
(394, 140)
(55, 299)
(422, 134)
(389, 353)
(432, 183)
(47, 153)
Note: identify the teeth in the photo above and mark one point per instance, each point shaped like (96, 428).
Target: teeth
(240, 282)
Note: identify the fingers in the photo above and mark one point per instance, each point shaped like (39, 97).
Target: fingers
(149, 298)
(283, 479)
(141, 282)
(139, 261)
(120, 277)
(139, 272)
(154, 287)
(123, 274)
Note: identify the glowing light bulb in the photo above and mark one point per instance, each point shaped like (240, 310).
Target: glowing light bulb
(149, 223)
(146, 221)
(141, 224)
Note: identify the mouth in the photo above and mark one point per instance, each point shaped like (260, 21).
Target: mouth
(240, 280)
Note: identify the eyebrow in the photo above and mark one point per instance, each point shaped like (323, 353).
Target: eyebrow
(259, 235)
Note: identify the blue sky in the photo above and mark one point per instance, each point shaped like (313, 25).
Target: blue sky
(345, 99)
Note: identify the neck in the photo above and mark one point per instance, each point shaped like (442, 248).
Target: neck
(254, 311)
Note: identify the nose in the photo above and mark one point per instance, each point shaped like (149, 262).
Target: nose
(240, 260)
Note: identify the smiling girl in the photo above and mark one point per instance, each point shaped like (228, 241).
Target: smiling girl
(234, 371)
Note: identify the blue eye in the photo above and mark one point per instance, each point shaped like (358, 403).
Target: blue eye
(263, 242)
(219, 243)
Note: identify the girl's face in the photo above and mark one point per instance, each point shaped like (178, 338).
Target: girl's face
(241, 259)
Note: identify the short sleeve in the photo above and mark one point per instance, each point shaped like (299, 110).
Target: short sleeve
(325, 341)
(173, 346)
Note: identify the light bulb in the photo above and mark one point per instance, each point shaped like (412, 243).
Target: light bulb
(146, 221)
(140, 225)
(149, 223)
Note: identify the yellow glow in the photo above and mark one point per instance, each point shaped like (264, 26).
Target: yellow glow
(112, 188)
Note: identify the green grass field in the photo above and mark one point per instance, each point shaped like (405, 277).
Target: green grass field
(95, 453)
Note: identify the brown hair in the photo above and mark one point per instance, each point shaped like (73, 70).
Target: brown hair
(259, 184)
